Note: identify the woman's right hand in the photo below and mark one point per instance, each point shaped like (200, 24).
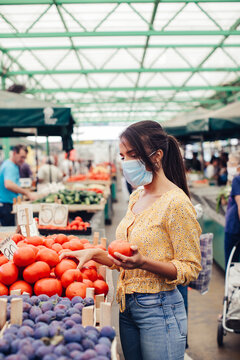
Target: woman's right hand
(82, 256)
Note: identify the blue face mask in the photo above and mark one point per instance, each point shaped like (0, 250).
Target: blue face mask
(136, 173)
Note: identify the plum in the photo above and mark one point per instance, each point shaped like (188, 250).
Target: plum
(74, 346)
(25, 331)
(103, 349)
(4, 346)
(16, 357)
(76, 318)
(25, 315)
(9, 337)
(47, 305)
(43, 297)
(54, 330)
(34, 300)
(15, 346)
(77, 299)
(92, 336)
(60, 314)
(108, 331)
(44, 350)
(51, 313)
(79, 306)
(26, 307)
(27, 350)
(105, 340)
(92, 328)
(43, 318)
(72, 335)
(55, 297)
(12, 330)
(34, 312)
(75, 354)
(72, 311)
(61, 350)
(61, 307)
(101, 357)
(50, 357)
(69, 324)
(40, 332)
(88, 301)
(88, 354)
(39, 324)
(36, 344)
(87, 344)
(28, 322)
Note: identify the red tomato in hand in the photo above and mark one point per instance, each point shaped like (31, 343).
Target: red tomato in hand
(70, 276)
(63, 266)
(120, 246)
(24, 256)
(21, 285)
(8, 273)
(101, 287)
(76, 289)
(48, 286)
(91, 274)
(36, 271)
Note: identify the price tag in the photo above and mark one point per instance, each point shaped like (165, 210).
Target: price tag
(8, 247)
(33, 229)
(24, 214)
(53, 214)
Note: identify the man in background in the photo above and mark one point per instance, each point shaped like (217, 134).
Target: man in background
(49, 173)
(10, 184)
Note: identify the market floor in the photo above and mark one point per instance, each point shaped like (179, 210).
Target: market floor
(203, 310)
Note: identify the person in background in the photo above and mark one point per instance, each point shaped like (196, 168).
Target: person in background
(25, 170)
(212, 169)
(163, 232)
(232, 224)
(195, 162)
(49, 173)
(10, 184)
(66, 166)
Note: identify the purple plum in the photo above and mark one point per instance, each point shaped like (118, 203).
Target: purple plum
(108, 331)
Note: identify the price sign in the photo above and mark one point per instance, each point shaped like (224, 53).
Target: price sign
(53, 214)
(32, 229)
(8, 248)
(24, 214)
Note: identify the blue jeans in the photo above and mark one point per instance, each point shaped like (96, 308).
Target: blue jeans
(229, 241)
(154, 326)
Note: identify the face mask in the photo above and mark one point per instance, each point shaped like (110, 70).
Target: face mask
(136, 174)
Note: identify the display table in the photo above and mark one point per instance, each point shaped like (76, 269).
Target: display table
(211, 221)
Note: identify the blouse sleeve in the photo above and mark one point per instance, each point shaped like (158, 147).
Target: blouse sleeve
(184, 232)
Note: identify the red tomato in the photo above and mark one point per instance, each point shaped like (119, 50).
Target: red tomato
(34, 240)
(35, 249)
(66, 245)
(3, 289)
(22, 285)
(56, 247)
(49, 256)
(88, 282)
(100, 277)
(75, 245)
(21, 243)
(70, 276)
(120, 246)
(24, 256)
(76, 289)
(91, 264)
(17, 237)
(48, 286)
(8, 273)
(84, 241)
(3, 260)
(91, 274)
(63, 266)
(36, 271)
(49, 242)
(101, 287)
(61, 238)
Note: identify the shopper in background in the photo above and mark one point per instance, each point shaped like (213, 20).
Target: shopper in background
(10, 184)
(161, 226)
(66, 166)
(25, 170)
(232, 225)
(49, 173)
(195, 162)
(212, 169)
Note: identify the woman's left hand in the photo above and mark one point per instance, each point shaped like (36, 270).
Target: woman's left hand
(128, 262)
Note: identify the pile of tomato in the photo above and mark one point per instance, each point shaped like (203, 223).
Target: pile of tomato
(76, 224)
(36, 268)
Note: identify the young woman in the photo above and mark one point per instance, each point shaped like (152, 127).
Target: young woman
(161, 226)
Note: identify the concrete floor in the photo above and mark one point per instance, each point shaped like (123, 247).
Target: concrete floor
(203, 310)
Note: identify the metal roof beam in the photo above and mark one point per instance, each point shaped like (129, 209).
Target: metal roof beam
(86, 47)
(150, 88)
(141, 101)
(62, 2)
(121, 33)
(110, 71)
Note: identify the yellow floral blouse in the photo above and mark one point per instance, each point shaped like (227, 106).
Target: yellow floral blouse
(165, 231)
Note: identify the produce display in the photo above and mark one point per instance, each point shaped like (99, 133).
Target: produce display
(36, 267)
(70, 197)
(52, 329)
(75, 226)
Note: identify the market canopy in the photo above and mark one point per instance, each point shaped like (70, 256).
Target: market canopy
(20, 116)
(121, 61)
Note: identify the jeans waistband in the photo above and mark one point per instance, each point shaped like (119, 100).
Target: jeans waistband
(165, 297)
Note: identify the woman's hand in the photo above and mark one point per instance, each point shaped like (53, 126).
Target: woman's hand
(128, 262)
(82, 256)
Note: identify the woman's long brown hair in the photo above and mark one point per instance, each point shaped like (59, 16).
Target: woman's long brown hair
(148, 136)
